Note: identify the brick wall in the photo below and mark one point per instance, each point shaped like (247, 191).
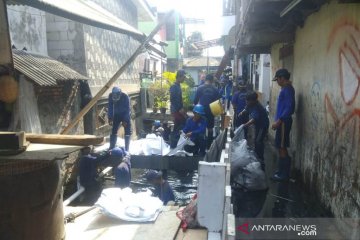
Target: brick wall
(58, 105)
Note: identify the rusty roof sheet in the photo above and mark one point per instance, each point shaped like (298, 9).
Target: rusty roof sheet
(43, 70)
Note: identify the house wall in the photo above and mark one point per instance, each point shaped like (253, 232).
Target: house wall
(27, 27)
(325, 139)
(98, 54)
(264, 77)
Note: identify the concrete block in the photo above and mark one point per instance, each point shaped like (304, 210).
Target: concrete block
(54, 53)
(67, 52)
(71, 34)
(53, 36)
(63, 35)
(53, 45)
(211, 195)
(66, 45)
(57, 26)
(49, 18)
(60, 19)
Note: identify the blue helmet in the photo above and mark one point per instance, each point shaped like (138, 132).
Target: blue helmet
(199, 109)
(157, 123)
(153, 174)
(116, 90)
(116, 93)
(118, 152)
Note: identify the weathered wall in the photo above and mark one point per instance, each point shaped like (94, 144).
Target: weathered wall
(65, 39)
(27, 28)
(326, 76)
(98, 53)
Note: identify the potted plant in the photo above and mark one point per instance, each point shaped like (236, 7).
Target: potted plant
(162, 105)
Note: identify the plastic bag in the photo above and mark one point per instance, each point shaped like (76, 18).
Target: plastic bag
(252, 177)
(188, 215)
(245, 166)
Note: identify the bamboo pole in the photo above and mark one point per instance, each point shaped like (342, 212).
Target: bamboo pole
(116, 75)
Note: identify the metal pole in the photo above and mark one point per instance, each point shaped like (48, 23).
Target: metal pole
(116, 75)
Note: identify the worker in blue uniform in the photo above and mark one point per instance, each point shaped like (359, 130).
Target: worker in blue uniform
(195, 129)
(177, 108)
(88, 168)
(119, 112)
(227, 92)
(123, 171)
(239, 103)
(162, 187)
(283, 122)
(205, 95)
(257, 116)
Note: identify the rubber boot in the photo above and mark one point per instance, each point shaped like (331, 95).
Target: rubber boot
(281, 175)
(127, 142)
(113, 139)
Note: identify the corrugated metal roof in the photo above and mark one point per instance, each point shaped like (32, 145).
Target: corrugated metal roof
(84, 11)
(43, 70)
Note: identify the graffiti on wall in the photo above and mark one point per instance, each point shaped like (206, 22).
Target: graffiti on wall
(333, 159)
(345, 40)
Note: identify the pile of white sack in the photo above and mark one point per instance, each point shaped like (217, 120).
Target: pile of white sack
(150, 145)
(129, 206)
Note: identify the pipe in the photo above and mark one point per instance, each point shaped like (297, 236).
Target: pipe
(80, 190)
(289, 7)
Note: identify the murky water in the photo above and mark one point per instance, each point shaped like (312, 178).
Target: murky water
(184, 185)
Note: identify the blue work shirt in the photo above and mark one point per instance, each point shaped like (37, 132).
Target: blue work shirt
(205, 95)
(228, 90)
(120, 108)
(164, 192)
(176, 102)
(196, 128)
(259, 114)
(285, 103)
(239, 101)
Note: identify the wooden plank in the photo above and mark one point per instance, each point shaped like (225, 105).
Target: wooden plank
(192, 234)
(43, 152)
(165, 228)
(165, 162)
(79, 140)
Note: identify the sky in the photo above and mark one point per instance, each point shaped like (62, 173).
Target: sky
(209, 10)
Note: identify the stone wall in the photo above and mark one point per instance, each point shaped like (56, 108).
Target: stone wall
(325, 139)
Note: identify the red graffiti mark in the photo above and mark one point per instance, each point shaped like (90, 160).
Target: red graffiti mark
(345, 38)
(330, 109)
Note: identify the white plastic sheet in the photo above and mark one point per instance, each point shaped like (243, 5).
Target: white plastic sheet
(129, 206)
(151, 145)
